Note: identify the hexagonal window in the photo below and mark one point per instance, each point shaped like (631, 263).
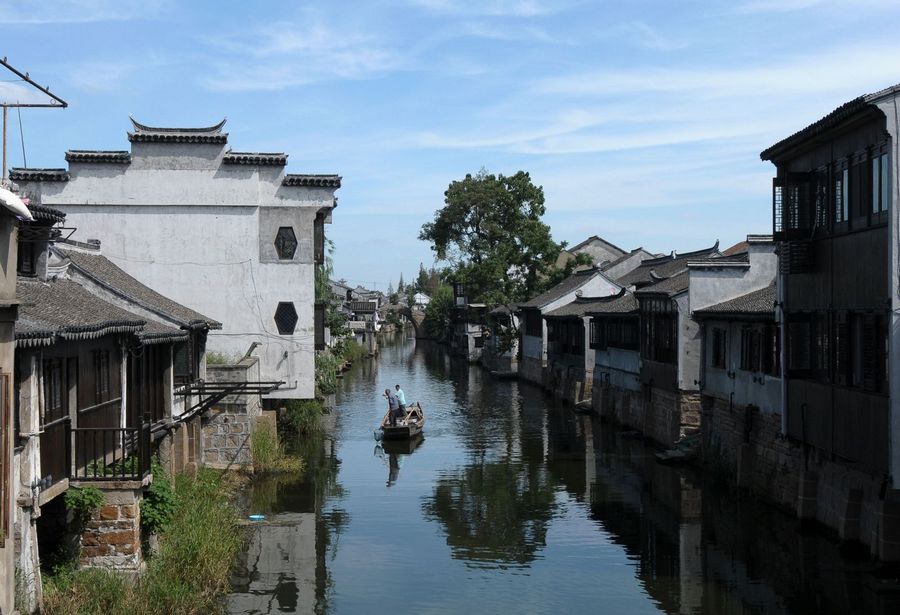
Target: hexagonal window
(286, 317)
(286, 243)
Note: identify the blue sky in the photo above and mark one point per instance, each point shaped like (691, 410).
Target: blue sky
(643, 120)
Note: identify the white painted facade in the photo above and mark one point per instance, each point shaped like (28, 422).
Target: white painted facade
(187, 220)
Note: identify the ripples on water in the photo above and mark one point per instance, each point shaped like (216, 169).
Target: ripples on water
(510, 504)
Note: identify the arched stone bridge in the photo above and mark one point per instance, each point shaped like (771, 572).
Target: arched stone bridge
(417, 318)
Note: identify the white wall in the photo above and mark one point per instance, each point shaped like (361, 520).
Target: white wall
(202, 233)
(623, 367)
(711, 284)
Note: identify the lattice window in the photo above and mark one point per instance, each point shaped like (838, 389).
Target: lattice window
(286, 318)
(286, 243)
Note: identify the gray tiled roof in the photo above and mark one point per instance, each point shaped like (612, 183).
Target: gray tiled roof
(110, 275)
(326, 181)
(757, 303)
(664, 267)
(835, 118)
(623, 303)
(61, 308)
(20, 174)
(84, 155)
(276, 159)
(674, 285)
(570, 284)
(362, 306)
(584, 305)
(44, 213)
(739, 258)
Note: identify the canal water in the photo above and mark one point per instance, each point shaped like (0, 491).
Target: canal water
(514, 504)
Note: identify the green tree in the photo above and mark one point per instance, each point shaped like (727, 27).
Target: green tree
(437, 314)
(491, 233)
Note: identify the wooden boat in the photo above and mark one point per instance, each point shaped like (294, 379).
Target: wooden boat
(407, 427)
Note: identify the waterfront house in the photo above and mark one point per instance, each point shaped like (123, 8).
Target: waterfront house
(420, 301)
(733, 300)
(590, 282)
(835, 218)
(569, 374)
(615, 339)
(501, 350)
(11, 210)
(263, 233)
(109, 372)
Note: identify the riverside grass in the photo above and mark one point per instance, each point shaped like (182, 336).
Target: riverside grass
(189, 573)
(269, 456)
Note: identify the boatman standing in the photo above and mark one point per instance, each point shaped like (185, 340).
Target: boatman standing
(401, 397)
(393, 406)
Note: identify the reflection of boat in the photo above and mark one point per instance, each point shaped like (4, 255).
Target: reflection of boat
(407, 427)
(402, 447)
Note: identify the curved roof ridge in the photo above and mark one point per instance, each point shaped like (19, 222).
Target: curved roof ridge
(215, 129)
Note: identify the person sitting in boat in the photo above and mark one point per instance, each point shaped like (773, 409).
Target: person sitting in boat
(393, 407)
(401, 397)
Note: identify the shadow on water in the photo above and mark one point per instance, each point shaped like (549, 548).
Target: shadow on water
(512, 503)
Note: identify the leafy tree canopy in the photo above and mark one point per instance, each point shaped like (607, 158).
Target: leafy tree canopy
(491, 233)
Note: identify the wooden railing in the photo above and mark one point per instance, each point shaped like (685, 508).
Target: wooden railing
(111, 453)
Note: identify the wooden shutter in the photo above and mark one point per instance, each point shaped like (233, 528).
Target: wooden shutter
(5, 460)
(870, 358)
(841, 348)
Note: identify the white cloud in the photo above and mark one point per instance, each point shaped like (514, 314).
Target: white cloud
(288, 54)
(78, 11)
(788, 6)
(498, 8)
(100, 76)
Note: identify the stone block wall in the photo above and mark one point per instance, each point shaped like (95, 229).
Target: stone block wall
(227, 427)
(570, 384)
(663, 416)
(532, 370)
(112, 538)
(226, 436)
(747, 447)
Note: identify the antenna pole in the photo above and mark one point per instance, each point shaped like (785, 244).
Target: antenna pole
(5, 109)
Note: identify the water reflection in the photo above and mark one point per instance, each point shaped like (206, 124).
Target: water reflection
(392, 451)
(512, 503)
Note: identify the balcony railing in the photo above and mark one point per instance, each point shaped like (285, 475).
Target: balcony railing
(111, 453)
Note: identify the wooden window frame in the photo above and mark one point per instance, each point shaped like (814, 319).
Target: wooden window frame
(719, 354)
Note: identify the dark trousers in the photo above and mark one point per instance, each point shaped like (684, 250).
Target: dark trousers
(395, 414)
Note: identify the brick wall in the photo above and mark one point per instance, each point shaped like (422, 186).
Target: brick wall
(112, 538)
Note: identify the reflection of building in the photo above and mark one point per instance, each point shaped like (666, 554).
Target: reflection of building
(243, 236)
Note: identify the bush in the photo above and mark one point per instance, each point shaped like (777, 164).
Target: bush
(351, 350)
(158, 505)
(327, 365)
(220, 358)
(83, 502)
(302, 416)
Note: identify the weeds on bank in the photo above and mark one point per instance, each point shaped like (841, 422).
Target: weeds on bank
(187, 575)
(302, 417)
(269, 455)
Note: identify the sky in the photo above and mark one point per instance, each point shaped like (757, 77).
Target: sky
(642, 120)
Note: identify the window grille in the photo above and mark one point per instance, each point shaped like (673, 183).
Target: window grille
(286, 318)
(286, 243)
